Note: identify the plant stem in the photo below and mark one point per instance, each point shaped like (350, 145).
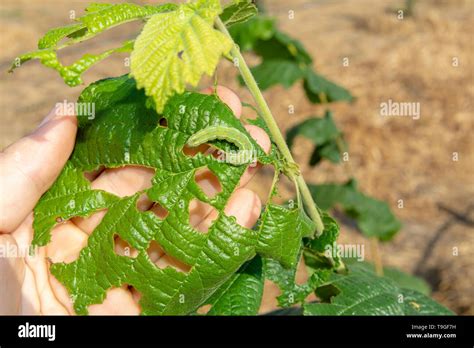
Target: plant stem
(273, 127)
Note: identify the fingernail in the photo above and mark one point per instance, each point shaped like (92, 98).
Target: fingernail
(51, 115)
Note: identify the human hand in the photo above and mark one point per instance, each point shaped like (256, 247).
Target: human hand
(30, 166)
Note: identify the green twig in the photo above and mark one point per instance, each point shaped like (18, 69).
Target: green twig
(292, 168)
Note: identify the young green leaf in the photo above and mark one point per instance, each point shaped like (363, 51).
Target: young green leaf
(177, 48)
(242, 293)
(98, 18)
(374, 218)
(55, 35)
(362, 292)
(238, 12)
(71, 74)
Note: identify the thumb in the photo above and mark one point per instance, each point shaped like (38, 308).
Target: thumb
(30, 166)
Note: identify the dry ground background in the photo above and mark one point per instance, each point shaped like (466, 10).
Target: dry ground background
(394, 158)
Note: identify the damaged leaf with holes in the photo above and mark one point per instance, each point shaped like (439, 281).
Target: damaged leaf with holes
(126, 132)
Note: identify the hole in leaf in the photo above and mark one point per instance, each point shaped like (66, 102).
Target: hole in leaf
(201, 215)
(159, 211)
(208, 182)
(270, 293)
(259, 180)
(144, 203)
(118, 301)
(154, 251)
(169, 261)
(180, 54)
(135, 294)
(163, 122)
(311, 297)
(203, 310)
(325, 292)
(67, 240)
(122, 248)
(193, 151)
(301, 276)
(91, 175)
(89, 223)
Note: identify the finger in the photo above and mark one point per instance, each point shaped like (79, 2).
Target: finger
(244, 205)
(63, 247)
(39, 265)
(118, 301)
(67, 240)
(228, 97)
(61, 294)
(262, 139)
(30, 166)
(30, 303)
(12, 272)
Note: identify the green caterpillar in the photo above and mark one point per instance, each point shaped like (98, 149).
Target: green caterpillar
(246, 147)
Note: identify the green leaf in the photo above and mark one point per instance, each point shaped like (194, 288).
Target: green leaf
(318, 252)
(285, 278)
(362, 292)
(320, 266)
(55, 35)
(98, 18)
(281, 233)
(323, 133)
(407, 281)
(328, 151)
(281, 46)
(71, 74)
(320, 90)
(374, 217)
(125, 132)
(177, 48)
(402, 279)
(247, 34)
(319, 130)
(273, 72)
(242, 293)
(238, 12)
